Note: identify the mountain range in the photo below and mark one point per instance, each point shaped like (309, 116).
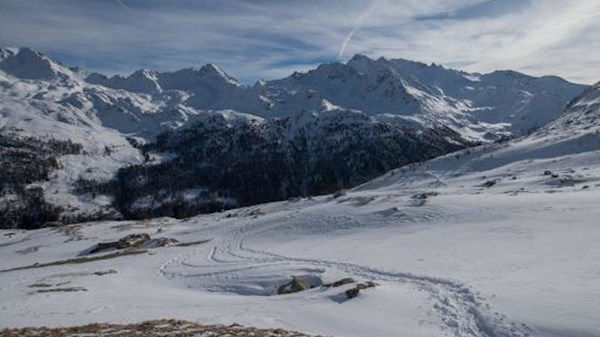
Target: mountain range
(80, 146)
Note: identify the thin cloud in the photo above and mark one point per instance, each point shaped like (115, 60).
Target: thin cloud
(357, 25)
(124, 7)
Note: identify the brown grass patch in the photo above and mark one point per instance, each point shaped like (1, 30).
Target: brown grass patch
(78, 260)
(158, 328)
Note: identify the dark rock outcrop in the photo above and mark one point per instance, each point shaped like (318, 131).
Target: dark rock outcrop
(339, 283)
(296, 285)
(129, 241)
(142, 240)
(353, 292)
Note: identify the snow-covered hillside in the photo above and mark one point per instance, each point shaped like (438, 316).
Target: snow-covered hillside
(499, 240)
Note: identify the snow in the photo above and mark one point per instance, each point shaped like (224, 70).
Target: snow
(477, 243)
(519, 258)
(436, 264)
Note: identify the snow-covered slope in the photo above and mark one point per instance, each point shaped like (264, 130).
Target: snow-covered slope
(34, 108)
(495, 241)
(571, 139)
(582, 116)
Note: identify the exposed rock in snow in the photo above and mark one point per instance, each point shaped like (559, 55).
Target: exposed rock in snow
(141, 81)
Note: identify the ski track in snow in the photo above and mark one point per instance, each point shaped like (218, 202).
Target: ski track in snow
(463, 312)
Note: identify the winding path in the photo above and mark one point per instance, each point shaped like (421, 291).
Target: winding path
(463, 312)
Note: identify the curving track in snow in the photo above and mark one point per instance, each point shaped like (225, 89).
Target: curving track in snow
(229, 262)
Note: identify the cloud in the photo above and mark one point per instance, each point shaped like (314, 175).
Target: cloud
(357, 25)
(125, 8)
(255, 39)
(478, 10)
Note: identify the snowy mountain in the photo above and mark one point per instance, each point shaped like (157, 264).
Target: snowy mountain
(334, 127)
(477, 105)
(481, 107)
(495, 240)
(572, 139)
(26, 63)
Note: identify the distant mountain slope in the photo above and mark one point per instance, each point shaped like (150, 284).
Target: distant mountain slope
(229, 160)
(573, 139)
(582, 115)
(470, 103)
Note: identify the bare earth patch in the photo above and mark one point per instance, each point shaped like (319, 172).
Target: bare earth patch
(60, 290)
(73, 232)
(78, 260)
(151, 329)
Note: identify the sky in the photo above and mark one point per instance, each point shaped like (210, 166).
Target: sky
(268, 39)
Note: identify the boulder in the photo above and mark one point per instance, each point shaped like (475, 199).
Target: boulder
(489, 183)
(129, 241)
(353, 292)
(339, 283)
(159, 242)
(133, 240)
(296, 285)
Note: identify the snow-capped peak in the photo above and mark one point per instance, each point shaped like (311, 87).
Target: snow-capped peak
(141, 81)
(8, 52)
(27, 63)
(361, 62)
(144, 80)
(366, 65)
(153, 82)
(215, 71)
(146, 73)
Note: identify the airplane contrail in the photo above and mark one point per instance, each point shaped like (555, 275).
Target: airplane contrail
(581, 19)
(357, 26)
(122, 5)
